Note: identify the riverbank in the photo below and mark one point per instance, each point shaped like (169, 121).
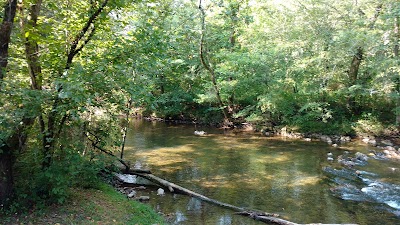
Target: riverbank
(90, 206)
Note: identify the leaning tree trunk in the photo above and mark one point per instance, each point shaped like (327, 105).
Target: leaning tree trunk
(55, 120)
(208, 67)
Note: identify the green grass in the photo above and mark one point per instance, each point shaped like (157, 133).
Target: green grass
(91, 206)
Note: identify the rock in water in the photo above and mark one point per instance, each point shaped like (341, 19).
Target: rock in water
(143, 198)
(132, 194)
(362, 157)
(160, 191)
(199, 132)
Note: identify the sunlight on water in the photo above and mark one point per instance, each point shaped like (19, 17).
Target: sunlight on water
(291, 178)
(167, 156)
(304, 181)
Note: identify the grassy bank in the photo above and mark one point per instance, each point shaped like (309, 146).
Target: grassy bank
(91, 206)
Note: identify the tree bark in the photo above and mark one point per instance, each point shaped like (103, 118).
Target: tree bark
(32, 47)
(5, 35)
(32, 56)
(355, 65)
(396, 55)
(8, 148)
(6, 176)
(126, 125)
(396, 36)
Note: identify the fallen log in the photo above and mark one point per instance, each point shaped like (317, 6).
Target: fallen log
(269, 218)
(178, 189)
(273, 220)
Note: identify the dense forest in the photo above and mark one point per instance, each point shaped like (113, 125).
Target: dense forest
(69, 70)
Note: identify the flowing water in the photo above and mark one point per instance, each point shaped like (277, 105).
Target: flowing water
(290, 177)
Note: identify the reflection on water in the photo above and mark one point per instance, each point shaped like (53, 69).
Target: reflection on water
(268, 174)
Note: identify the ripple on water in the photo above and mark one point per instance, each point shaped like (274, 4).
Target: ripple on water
(383, 192)
(349, 187)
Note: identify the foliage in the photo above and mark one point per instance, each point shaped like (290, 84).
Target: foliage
(369, 124)
(88, 206)
(315, 65)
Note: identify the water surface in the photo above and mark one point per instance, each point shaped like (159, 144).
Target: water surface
(287, 177)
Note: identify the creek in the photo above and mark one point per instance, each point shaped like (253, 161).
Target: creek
(290, 177)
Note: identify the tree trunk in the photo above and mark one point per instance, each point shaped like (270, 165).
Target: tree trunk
(6, 176)
(356, 62)
(234, 9)
(54, 120)
(126, 125)
(5, 34)
(355, 65)
(396, 55)
(8, 146)
(32, 47)
(353, 76)
(15, 143)
(208, 67)
(396, 36)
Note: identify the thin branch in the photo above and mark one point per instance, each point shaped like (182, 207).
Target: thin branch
(94, 145)
(74, 46)
(90, 35)
(373, 19)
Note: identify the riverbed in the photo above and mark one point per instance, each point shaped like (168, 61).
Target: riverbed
(293, 178)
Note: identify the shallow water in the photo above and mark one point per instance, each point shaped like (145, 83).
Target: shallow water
(288, 177)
